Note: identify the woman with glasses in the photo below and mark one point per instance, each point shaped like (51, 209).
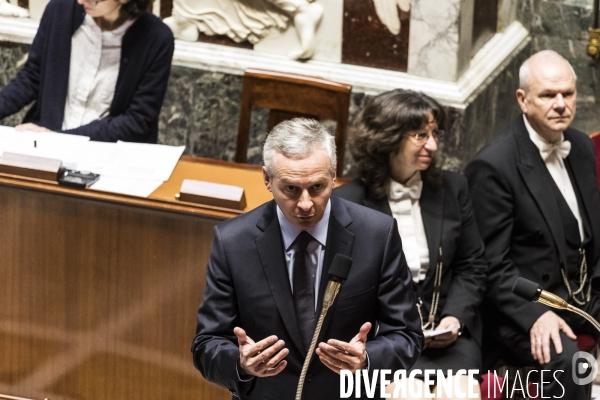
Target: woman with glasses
(96, 68)
(393, 143)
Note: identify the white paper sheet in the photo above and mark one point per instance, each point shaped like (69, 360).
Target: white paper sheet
(440, 331)
(57, 146)
(129, 186)
(131, 160)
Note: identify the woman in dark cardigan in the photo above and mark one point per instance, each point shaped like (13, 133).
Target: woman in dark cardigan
(127, 88)
(393, 142)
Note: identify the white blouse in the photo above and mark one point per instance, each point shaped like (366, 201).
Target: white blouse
(404, 203)
(93, 72)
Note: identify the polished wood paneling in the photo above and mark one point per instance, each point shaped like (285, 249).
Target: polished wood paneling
(99, 292)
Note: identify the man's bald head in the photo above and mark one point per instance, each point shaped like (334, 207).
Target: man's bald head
(547, 94)
(540, 62)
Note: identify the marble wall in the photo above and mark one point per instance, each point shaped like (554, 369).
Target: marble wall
(440, 38)
(201, 107)
(562, 25)
(201, 111)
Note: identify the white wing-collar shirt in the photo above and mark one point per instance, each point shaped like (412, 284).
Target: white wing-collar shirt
(553, 155)
(404, 203)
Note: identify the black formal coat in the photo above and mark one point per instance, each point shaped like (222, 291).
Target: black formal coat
(449, 223)
(247, 285)
(519, 220)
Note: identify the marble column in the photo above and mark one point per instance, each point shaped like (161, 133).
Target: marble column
(507, 13)
(36, 8)
(440, 38)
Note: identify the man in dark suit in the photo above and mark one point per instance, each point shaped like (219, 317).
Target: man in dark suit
(538, 210)
(267, 275)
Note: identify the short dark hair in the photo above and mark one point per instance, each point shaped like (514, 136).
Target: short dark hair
(378, 130)
(135, 8)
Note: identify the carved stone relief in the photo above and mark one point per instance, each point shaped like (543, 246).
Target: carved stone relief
(12, 10)
(250, 20)
(317, 24)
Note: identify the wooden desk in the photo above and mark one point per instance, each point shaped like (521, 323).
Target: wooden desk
(99, 291)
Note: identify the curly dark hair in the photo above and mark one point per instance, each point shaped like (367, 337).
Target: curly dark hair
(135, 8)
(380, 127)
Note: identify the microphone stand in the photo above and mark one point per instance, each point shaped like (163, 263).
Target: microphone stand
(330, 294)
(552, 300)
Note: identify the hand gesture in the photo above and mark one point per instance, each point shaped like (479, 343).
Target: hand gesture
(338, 355)
(263, 358)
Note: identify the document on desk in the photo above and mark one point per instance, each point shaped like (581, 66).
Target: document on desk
(135, 169)
(130, 160)
(59, 146)
(129, 186)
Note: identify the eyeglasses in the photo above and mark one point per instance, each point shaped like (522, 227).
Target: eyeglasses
(422, 137)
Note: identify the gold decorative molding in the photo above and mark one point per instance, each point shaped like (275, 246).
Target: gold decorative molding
(593, 48)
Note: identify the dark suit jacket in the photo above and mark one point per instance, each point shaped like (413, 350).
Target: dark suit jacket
(146, 54)
(519, 220)
(247, 285)
(449, 222)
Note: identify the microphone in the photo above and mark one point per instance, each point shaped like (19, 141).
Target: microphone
(531, 291)
(338, 273)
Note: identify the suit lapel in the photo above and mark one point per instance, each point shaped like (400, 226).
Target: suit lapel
(432, 210)
(381, 205)
(538, 180)
(271, 251)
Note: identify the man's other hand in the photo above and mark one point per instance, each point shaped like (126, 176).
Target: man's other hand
(445, 339)
(546, 328)
(29, 127)
(263, 358)
(338, 355)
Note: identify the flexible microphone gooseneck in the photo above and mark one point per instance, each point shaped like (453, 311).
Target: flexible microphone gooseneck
(531, 291)
(338, 273)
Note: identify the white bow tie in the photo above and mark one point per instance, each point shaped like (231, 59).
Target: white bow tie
(400, 192)
(562, 149)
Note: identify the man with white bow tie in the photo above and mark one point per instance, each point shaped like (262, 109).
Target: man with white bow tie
(538, 210)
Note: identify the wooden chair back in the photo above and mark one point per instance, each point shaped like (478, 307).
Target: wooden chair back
(288, 96)
(596, 139)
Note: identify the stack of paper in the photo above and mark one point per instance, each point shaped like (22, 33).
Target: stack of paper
(135, 169)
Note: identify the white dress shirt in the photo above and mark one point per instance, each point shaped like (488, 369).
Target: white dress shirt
(404, 203)
(553, 154)
(93, 72)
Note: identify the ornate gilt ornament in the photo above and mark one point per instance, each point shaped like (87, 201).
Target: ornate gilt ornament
(593, 48)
